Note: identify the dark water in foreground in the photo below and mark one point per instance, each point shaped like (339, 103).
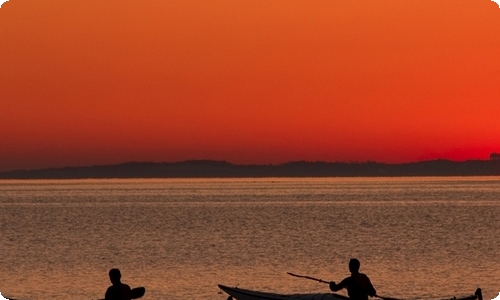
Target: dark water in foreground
(415, 237)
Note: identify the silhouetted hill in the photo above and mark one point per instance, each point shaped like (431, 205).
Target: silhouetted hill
(218, 169)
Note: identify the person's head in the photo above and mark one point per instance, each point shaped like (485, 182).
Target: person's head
(115, 276)
(354, 265)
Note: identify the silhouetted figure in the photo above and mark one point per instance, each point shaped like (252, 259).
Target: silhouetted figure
(119, 290)
(358, 285)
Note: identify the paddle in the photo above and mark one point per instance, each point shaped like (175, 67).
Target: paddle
(135, 293)
(309, 277)
(328, 282)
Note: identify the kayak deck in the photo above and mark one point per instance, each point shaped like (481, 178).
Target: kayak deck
(244, 294)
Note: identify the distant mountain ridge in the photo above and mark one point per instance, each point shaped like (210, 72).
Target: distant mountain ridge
(223, 169)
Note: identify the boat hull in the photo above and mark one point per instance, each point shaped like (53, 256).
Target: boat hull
(243, 294)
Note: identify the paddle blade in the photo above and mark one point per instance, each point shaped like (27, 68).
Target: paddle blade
(137, 292)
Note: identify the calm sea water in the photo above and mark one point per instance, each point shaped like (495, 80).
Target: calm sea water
(415, 237)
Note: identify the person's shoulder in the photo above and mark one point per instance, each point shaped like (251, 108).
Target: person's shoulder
(346, 280)
(110, 291)
(364, 277)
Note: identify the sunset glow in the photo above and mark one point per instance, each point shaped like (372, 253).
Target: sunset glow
(261, 81)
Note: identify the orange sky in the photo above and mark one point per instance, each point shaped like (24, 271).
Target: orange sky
(259, 81)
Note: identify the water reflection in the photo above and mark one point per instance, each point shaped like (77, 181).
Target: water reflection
(180, 238)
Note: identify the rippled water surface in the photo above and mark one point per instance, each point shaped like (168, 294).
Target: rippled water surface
(415, 237)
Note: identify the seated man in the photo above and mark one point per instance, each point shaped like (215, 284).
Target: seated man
(358, 285)
(119, 290)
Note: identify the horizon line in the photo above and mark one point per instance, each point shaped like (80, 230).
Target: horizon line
(493, 157)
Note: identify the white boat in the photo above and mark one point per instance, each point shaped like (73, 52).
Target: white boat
(243, 294)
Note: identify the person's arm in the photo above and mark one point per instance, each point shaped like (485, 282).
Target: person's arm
(128, 292)
(107, 295)
(370, 290)
(337, 287)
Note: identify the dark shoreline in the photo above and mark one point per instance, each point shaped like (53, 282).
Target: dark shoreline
(222, 169)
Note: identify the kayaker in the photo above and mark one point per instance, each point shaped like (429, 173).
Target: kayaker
(119, 290)
(358, 285)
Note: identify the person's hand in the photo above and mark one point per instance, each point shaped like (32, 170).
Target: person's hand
(332, 285)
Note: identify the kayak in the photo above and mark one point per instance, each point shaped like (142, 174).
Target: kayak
(244, 294)
(135, 293)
